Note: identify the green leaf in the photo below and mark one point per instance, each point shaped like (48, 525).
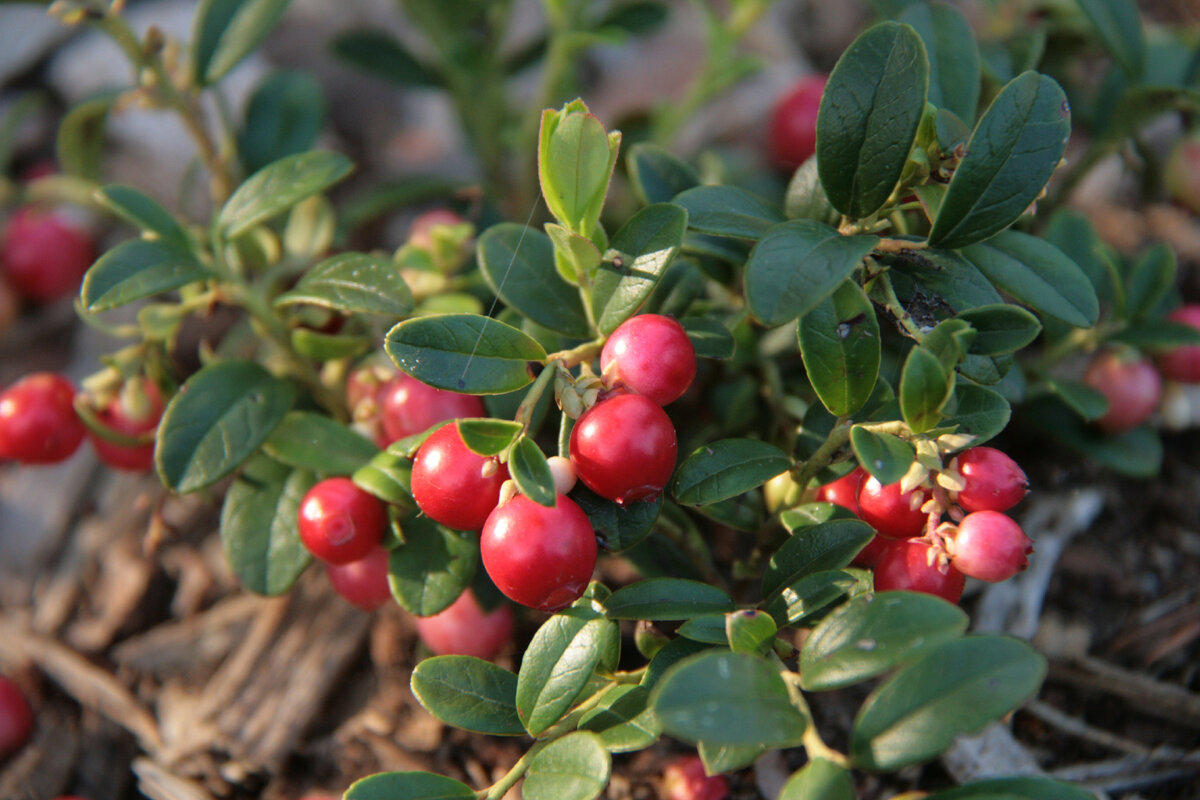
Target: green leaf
(945, 274)
(382, 55)
(137, 269)
(726, 698)
(388, 476)
(725, 469)
(468, 693)
(1037, 274)
(283, 118)
(638, 255)
(718, 758)
(707, 628)
(805, 197)
(1119, 26)
(488, 437)
(518, 263)
(352, 283)
(430, 570)
(1137, 453)
(1158, 334)
(1081, 398)
(623, 719)
(819, 779)
(869, 115)
(329, 346)
(797, 265)
(806, 515)
(839, 340)
(727, 211)
(558, 664)
(143, 212)
(666, 599)
(280, 185)
(1151, 278)
(830, 545)
(463, 353)
(1016, 788)
(709, 337)
(576, 157)
(672, 653)
(528, 467)
(575, 257)
(408, 786)
(657, 175)
(617, 527)
(979, 411)
(1000, 328)
(873, 634)
(885, 456)
(925, 386)
(954, 64)
(1010, 157)
(575, 767)
(218, 418)
(636, 16)
(307, 440)
(808, 595)
(750, 631)
(226, 31)
(258, 526)
(956, 687)
(1074, 234)
(80, 140)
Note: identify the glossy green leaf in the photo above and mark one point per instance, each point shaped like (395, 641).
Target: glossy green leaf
(518, 263)
(617, 527)
(808, 595)
(558, 663)
(1119, 26)
(638, 255)
(1016, 788)
(707, 628)
(143, 212)
(430, 570)
(672, 653)
(819, 779)
(280, 185)
(719, 758)
(258, 526)
(463, 353)
(408, 786)
(658, 175)
(839, 340)
(979, 411)
(1037, 274)
(382, 55)
(873, 634)
(353, 283)
(955, 687)
(805, 197)
(576, 157)
(529, 469)
(709, 337)
(727, 698)
(575, 767)
(283, 118)
(219, 417)
(925, 387)
(945, 274)
(307, 440)
(623, 719)
(137, 269)
(468, 693)
(750, 631)
(806, 515)
(80, 139)
(885, 456)
(1010, 157)
(725, 469)
(488, 437)
(869, 115)
(666, 599)
(1000, 328)
(1074, 234)
(226, 31)
(727, 211)
(954, 63)
(388, 476)
(1151, 278)
(830, 545)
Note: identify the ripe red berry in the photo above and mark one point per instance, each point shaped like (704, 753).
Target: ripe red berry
(409, 407)
(537, 556)
(994, 482)
(652, 355)
(793, 131)
(38, 423)
(364, 583)
(16, 718)
(340, 522)
(990, 546)
(844, 491)
(44, 255)
(623, 448)
(905, 566)
(684, 778)
(131, 413)
(891, 511)
(465, 629)
(1132, 386)
(452, 484)
(1183, 363)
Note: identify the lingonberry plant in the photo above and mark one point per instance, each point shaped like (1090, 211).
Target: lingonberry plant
(834, 356)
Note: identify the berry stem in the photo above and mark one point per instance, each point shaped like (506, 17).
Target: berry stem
(588, 351)
(811, 739)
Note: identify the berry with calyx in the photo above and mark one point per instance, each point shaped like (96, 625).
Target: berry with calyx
(990, 546)
(684, 778)
(340, 522)
(454, 485)
(650, 354)
(793, 127)
(844, 491)
(890, 510)
(908, 566)
(537, 556)
(623, 448)
(16, 718)
(993, 481)
(38, 423)
(408, 406)
(465, 629)
(1182, 363)
(364, 583)
(134, 411)
(44, 255)
(1131, 384)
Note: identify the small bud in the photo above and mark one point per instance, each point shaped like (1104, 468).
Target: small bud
(564, 473)
(489, 468)
(508, 490)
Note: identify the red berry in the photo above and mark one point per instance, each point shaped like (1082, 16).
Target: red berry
(905, 566)
(452, 484)
(465, 629)
(652, 355)
(364, 583)
(38, 423)
(339, 522)
(869, 555)
(624, 448)
(1183, 363)
(537, 556)
(1132, 386)
(410, 407)
(16, 719)
(123, 415)
(420, 233)
(685, 779)
(844, 491)
(44, 255)
(889, 510)
(990, 546)
(793, 132)
(994, 482)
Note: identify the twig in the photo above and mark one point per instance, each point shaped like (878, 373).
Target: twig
(1078, 728)
(1125, 774)
(1151, 697)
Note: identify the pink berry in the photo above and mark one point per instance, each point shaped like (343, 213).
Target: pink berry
(364, 583)
(1132, 386)
(131, 414)
(891, 511)
(453, 485)
(409, 407)
(16, 718)
(465, 629)
(994, 482)
(990, 546)
(38, 423)
(44, 255)
(793, 127)
(904, 566)
(844, 491)
(340, 522)
(624, 447)
(1183, 363)
(651, 355)
(684, 778)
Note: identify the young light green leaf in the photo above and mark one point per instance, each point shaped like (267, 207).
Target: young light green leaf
(638, 255)
(1037, 274)
(839, 340)
(885, 456)
(226, 31)
(819, 779)
(488, 437)
(725, 469)
(1016, 788)
(558, 663)
(518, 263)
(353, 283)
(576, 157)
(617, 527)
(280, 185)
(408, 786)
(307, 440)
(575, 257)
(463, 353)
(388, 476)
(575, 767)
(830, 545)
(1119, 25)
(727, 211)
(925, 386)
(954, 64)
(137, 269)
(528, 467)
(283, 118)
(1000, 328)
(623, 719)
(430, 570)
(750, 631)
(657, 175)
(468, 693)
(719, 758)
(329, 346)
(143, 212)
(666, 599)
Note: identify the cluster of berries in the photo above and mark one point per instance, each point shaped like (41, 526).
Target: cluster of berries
(914, 550)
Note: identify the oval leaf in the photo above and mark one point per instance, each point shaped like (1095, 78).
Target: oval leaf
(811, 593)
(1037, 274)
(468, 693)
(1001, 328)
(143, 212)
(819, 780)
(137, 269)
(925, 386)
(727, 211)
(518, 263)
(885, 456)
(528, 467)
(226, 31)
(666, 599)
(430, 570)
(488, 437)
(830, 545)
(575, 767)
(623, 719)
(638, 255)
(617, 527)
(283, 118)
(308, 440)
(725, 469)
(463, 353)
(657, 175)
(1119, 24)
(979, 411)
(352, 283)
(558, 664)
(408, 786)
(750, 631)
(1017, 788)
(954, 63)
(383, 55)
(280, 185)
(839, 340)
